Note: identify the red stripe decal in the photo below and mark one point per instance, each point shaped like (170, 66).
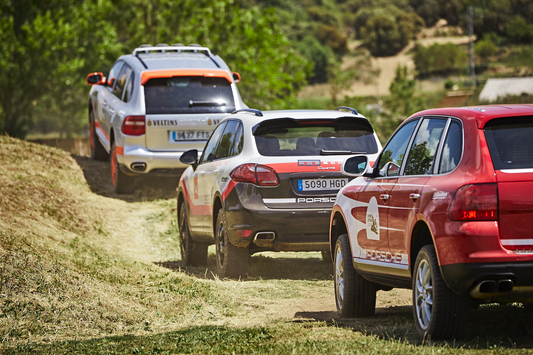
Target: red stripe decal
(196, 209)
(97, 125)
(119, 150)
(228, 189)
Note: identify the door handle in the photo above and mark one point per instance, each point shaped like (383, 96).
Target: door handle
(201, 173)
(414, 196)
(111, 110)
(384, 196)
(104, 103)
(215, 172)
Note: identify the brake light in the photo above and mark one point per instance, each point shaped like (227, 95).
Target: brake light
(261, 175)
(134, 126)
(476, 202)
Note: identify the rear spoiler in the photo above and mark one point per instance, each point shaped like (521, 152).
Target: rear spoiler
(350, 122)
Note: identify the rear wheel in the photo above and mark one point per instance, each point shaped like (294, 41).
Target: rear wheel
(355, 296)
(122, 183)
(232, 261)
(439, 312)
(98, 151)
(193, 253)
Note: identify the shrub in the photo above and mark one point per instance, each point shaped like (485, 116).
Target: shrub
(439, 59)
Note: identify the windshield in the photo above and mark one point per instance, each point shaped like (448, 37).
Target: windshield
(184, 94)
(318, 137)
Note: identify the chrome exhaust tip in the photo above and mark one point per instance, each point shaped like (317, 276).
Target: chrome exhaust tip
(484, 289)
(138, 166)
(505, 286)
(264, 239)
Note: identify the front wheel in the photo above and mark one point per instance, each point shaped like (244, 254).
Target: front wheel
(193, 253)
(122, 183)
(232, 261)
(439, 312)
(355, 296)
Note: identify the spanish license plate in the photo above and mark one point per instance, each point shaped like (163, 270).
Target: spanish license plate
(321, 184)
(178, 136)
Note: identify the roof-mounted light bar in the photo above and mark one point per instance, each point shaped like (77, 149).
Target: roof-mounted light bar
(346, 108)
(250, 110)
(175, 48)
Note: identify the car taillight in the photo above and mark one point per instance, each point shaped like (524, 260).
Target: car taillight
(261, 175)
(477, 202)
(134, 126)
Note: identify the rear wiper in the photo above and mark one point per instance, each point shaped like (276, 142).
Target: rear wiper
(206, 103)
(338, 152)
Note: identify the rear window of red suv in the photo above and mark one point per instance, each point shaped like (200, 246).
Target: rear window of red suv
(510, 142)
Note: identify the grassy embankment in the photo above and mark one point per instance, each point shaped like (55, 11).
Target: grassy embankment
(83, 273)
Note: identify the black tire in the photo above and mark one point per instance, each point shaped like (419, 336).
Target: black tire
(122, 183)
(232, 261)
(440, 313)
(355, 296)
(98, 151)
(193, 253)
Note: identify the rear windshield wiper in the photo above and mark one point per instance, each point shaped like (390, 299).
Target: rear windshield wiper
(338, 152)
(206, 103)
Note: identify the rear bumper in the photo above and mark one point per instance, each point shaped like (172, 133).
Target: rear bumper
(466, 277)
(150, 162)
(294, 229)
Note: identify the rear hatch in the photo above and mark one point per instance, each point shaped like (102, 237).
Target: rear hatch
(182, 111)
(307, 155)
(510, 142)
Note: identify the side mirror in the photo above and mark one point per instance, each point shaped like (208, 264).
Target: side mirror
(355, 166)
(392, 169)
(95, 79)
(190, 157)
(236, 77)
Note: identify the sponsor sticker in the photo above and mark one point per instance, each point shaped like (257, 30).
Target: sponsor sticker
(440, 195)
(308, 162)
(163, 122)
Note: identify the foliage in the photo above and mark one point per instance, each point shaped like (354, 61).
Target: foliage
(318, 54)
(439, 59)
(388, 30)
(519, 30)
(402, 91)
(484, 49)
(47, 48)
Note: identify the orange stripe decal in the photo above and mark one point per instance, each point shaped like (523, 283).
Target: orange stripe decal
(215, 73)
(99, 126)
(295, 168)
(119, 150)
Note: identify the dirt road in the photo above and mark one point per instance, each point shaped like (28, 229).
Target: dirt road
(137, 231)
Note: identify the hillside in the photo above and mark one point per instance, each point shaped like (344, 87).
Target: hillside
(84, 271)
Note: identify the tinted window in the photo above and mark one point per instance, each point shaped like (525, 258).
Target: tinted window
(422, 153)
(288, 137)
(452, 149)
(239, 141)
(510, 142)
(394, 151)
(113, 73)
(128, 91)
(209, 153)
(122, 78)
(188, 94)
(228, 139)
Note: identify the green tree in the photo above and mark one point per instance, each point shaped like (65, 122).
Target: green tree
(402, 91)
(47, 49)
(484, 49)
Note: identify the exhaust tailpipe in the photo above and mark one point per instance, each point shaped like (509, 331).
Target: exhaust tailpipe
(138, 166)
(484, 289)
(264, 239)
(505, 286)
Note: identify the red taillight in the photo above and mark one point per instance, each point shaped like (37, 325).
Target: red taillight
(477, 202)
(261, 175)
(134, 126)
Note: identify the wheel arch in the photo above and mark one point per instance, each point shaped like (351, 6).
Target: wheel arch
(217, 205)
(420, 237)
(337, 228)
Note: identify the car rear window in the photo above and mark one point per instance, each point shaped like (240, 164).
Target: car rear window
(510, 142)
(288, 137)
(188, 94)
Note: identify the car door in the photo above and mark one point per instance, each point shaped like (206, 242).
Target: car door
(373, 212)
(203, 209)
(107, 102)
(405, 198)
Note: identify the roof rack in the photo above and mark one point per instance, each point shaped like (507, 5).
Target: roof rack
(175, 48)
(258, 113)
(346, 108)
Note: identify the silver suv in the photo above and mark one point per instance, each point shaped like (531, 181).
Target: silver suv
(155, 104)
